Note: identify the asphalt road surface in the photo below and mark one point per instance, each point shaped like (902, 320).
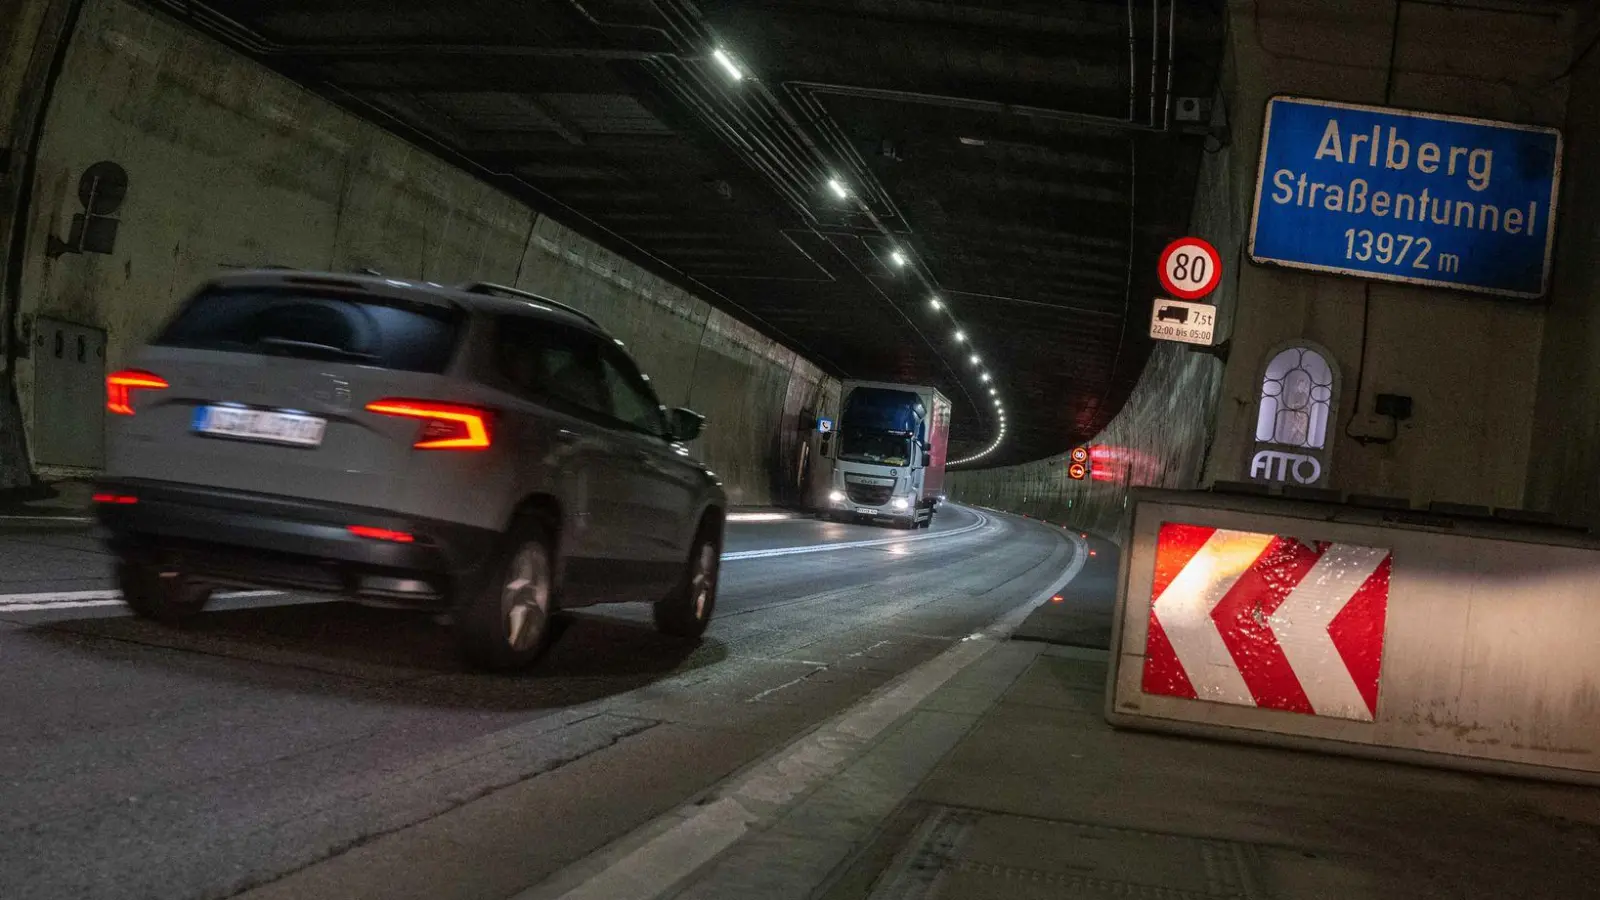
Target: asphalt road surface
(282, 746)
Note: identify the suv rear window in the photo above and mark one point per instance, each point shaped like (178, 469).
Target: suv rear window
(385, 332)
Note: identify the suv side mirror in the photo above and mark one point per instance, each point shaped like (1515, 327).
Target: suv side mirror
(685, 424)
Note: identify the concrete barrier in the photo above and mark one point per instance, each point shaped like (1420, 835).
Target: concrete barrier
(1445, 640)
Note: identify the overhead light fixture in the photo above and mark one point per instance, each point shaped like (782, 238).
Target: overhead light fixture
(839, 189)
(898, 258)
(993, 392)
(727, 63)
(997, 403)
(935, 302)
(961, 336)
(975, 359)
(986, 376)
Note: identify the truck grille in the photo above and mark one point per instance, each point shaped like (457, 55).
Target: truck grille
(869, 494)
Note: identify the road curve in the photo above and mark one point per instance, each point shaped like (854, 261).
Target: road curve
(283, 747)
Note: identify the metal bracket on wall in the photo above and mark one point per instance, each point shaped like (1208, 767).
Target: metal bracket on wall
(1220, 351)
(101, 190)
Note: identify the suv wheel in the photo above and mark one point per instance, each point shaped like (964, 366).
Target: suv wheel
(505, 624)
(687, 610)
(163, 593)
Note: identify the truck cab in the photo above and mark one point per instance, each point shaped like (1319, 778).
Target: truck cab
(888, 454)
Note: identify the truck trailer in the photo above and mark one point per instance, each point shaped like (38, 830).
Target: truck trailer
(888, 454)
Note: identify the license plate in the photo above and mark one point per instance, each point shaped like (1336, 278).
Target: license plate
(865, 512)
(260, 425)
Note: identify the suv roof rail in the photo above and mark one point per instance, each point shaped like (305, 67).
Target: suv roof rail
(491, 289)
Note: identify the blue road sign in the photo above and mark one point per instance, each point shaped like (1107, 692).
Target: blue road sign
(824, 425)
(1395, 195)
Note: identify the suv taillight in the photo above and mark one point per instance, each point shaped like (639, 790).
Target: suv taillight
(447, 426)
(121, 385)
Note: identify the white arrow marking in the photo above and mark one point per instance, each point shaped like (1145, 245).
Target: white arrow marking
(1301, 622)
(1184, 611)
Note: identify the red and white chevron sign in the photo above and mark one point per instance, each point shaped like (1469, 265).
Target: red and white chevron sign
(1267, 621)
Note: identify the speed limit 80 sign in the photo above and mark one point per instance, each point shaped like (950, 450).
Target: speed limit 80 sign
(1190, 268)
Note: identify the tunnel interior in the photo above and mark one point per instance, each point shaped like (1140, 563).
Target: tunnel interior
(824, 171)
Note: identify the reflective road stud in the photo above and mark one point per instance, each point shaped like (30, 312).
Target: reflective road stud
(1268, 621)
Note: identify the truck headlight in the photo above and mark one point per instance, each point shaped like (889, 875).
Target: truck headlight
(900, 503)
(836, 497)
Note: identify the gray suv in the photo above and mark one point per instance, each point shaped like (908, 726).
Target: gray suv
(475, 450)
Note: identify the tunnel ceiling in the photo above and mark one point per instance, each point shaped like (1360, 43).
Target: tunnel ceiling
(1017, 152)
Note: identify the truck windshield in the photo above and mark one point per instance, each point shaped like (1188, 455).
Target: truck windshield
(875, 447)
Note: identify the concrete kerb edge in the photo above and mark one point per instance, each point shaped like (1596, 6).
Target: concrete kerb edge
(600, 876)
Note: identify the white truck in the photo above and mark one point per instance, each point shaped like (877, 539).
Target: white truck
(888, 454)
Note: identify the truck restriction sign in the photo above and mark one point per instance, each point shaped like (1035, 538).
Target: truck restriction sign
(1190, 268)
(1186, 323)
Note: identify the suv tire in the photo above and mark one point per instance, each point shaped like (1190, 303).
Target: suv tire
(162, 593)
(686, 612)
(504, 624)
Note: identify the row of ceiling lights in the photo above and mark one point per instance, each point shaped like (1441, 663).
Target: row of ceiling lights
(899, 259)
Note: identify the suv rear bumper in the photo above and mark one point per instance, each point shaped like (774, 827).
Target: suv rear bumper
(237, 538)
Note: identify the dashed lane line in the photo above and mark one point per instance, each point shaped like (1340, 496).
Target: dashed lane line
(15, 603)
(856, 545)
(10, 603)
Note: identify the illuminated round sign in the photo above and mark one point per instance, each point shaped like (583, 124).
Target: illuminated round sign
(1190, 268)
(1080, 454)
(1077, 471)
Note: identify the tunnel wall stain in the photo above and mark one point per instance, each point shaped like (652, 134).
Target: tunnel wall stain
(1158, 439)
(1566, 433)
(231, 165)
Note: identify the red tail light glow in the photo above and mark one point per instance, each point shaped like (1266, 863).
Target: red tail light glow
(115, 499)
(449, 426)
(121, 385)
(382, 534)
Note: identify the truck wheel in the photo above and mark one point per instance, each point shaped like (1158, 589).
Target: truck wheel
(162, 593)
(504, 624)
(686, 612)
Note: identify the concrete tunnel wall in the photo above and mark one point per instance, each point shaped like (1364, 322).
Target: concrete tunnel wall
(1472, 363)
(1469, 361)
(231, 165)
(1564, 476)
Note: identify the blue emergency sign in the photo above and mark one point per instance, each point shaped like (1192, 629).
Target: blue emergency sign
(824, 425)
(1395, 195)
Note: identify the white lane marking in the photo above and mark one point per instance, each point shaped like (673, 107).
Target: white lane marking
(8, 608)
(855, 545)
(1184, 611)
(759, 517)
(76, 599)
(658, 866)
(821, 667)
(45, 519)
(1300, 623)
